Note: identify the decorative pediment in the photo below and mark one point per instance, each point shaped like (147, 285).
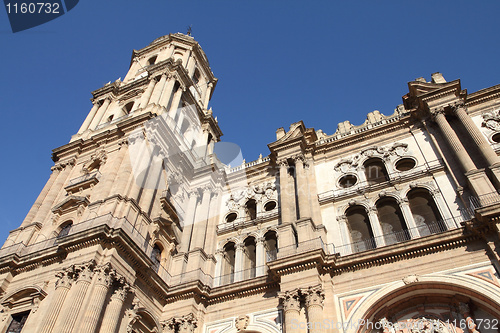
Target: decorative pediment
(83, 182)
(296, 130)
(70, 204)
(27, 297)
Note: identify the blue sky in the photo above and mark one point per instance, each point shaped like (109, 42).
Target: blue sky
(278, 62)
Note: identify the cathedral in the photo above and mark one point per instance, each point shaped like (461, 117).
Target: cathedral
(146, 223)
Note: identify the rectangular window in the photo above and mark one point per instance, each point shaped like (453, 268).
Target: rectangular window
(17, 323)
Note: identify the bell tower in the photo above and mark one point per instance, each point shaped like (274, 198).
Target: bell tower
(124, 194)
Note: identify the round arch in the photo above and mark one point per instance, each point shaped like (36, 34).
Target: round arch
(413, 286)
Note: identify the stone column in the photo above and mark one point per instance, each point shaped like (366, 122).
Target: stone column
(219, 256)
(238, 262)
(291, 309)
(346, 236)
(41, 197)
(57, 187)
(211, 236)
(151, 181)
(200, 222)
(155, 97)
(302, 188)
(465, 312)
(207, 95)
(376, 227)
(147, 94)
(110, 177)
(68, 317)
(408, 216)
(103, 278)
(63, 284)
(89, 118)
(453, 141)
(120, 182)
(314, 297)
(114, 308)
(188, 221)
(260, 257)
(100, 113)
(313, 193)
(286, 199)
(486, 150)
(167, 92)
(175, 102)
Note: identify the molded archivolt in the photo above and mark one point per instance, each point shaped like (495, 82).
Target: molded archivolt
(398, 298)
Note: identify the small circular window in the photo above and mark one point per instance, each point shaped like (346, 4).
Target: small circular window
(496, 137)
(231, 217)
(348, 181)
(270, 206)
(405, 164)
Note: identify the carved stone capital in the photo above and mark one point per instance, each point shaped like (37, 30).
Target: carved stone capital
(65, 279)
(314, 296)
(105, 275)
(187, 323)
(290, 300)
(282, 163)
(85, 271)
(121, 292)
(437, 112)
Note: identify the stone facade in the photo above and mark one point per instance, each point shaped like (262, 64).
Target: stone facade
(389, 226)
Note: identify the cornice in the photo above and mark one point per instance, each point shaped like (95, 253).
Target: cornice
(353, 139)
(398, 252)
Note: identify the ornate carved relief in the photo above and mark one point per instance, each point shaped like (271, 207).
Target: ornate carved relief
(412, 278)
(491, 120)
(397, 149)
(95, 161)
(241, 322)
(259, 192)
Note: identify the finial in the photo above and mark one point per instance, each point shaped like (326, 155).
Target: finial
(190, 30)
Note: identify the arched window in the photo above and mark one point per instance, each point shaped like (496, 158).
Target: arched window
(251, 209)
(152, 60)
(250, 258)
(271, 244)
(156, 257)
(196, 76)
(184, 126)
(360, 229)
(66, 228)
(375, 171)
(392, 221)
(228, 263)
(425, 212)
(128, 108)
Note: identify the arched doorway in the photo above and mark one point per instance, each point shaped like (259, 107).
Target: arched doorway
(430, 306)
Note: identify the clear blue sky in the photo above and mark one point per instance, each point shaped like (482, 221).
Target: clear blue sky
(278, 62)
